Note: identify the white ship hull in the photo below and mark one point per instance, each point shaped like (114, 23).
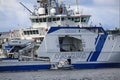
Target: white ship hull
(62, 35)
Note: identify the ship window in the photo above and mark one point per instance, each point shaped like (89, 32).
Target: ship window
(69, 18)
(28, 33)
(58, 19)
(44, 19)
(40, 20)
(37, 20)
(25, 33)
(31, 32)
(72, 19)
(49, 19)
(33, 20)
(62, 18)
(37, 32)
(54, 19)
(87, 19)
(84, 19)
(77, 19)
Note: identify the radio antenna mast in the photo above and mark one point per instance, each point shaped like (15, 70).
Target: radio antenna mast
(77, 7)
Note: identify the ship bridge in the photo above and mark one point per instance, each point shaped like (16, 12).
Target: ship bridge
(60, 20)
(51, 13)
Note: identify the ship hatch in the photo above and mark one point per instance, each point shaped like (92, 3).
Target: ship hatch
(68, 44)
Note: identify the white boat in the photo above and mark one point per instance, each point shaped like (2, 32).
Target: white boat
(63, 34)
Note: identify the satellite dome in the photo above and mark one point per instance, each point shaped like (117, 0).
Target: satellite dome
(53, 11)
(41, 11)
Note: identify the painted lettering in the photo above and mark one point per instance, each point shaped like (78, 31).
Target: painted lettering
(72, 55)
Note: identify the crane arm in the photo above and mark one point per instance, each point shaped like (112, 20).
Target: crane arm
(26, 7)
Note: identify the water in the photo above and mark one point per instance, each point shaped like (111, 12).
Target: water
(82, 74)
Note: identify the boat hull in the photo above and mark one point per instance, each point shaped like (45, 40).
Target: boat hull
(41, 66)
(24, 66)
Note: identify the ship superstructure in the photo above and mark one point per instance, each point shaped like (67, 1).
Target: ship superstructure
(50, 13)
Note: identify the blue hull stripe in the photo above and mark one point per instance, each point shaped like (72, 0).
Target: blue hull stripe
(55, 28)
(52, 29)
(24, 67)
(91, 53)
(96, 39)
(99, 47)
(47, 67)
(89, 56)
(96, 65)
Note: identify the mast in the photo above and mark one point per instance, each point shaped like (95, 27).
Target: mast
(77, 7)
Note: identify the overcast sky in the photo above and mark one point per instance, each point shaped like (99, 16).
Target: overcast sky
(14, 16)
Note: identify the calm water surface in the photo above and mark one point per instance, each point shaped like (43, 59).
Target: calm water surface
(82, 74)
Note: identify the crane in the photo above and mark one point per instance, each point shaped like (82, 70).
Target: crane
(26, 7)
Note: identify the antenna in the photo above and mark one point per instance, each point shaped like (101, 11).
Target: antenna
(77, 8)
(35, 10)
(26, 7)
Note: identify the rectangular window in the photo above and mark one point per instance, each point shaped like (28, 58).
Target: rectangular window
(44, 19)
(69, 18)
(62, 18)
(77, 19)
(25, 33)
(40, 20)
(37, 20)
(54, 19)
(36, 31)
(30, 32)
(72, 19)
(49, 19)
(84, 19)
(33, 31)
(58, 19)
(33, 20)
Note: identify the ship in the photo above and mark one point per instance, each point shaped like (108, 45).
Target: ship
(64, 40)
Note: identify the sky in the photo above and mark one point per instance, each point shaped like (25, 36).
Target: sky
(14, 16)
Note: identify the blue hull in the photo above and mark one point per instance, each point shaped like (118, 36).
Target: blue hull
(96, 65)
(24, 67)
(48, 66)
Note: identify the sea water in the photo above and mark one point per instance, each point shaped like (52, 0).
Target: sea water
(81, 74)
